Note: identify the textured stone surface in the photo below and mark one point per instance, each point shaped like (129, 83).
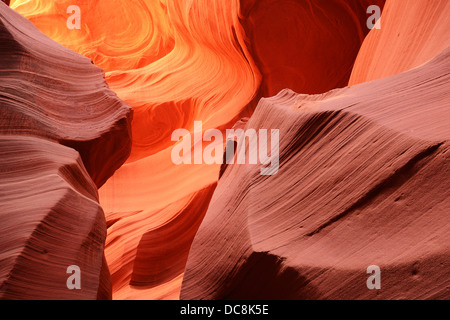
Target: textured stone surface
(363, 180)
(212, 61)
(307, 46)
(62, 134)
(52, 92)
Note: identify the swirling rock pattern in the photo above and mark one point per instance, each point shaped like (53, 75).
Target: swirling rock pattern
(172, 71)
(186, 61)
(63, 133)
(363, 180)
(211, 60)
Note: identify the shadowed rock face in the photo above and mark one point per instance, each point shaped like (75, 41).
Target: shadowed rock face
(50, 219)
(62, 134)
(363, 180)
(307, 46)
(52, 92)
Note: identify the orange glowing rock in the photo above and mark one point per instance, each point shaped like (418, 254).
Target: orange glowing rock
(52, 92)
(176, 62)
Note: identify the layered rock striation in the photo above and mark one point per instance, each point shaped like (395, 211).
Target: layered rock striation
(363, 180)
(63, 133)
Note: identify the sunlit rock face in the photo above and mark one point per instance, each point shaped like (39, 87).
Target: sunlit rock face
(363, 180)
(63, 133)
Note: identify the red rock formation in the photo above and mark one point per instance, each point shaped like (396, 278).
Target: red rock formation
(55, 93)
(363, 180)
(62, 134)
(307, 46)
(174, 69)
(412, 32)
(177, 68)
(50, 220)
